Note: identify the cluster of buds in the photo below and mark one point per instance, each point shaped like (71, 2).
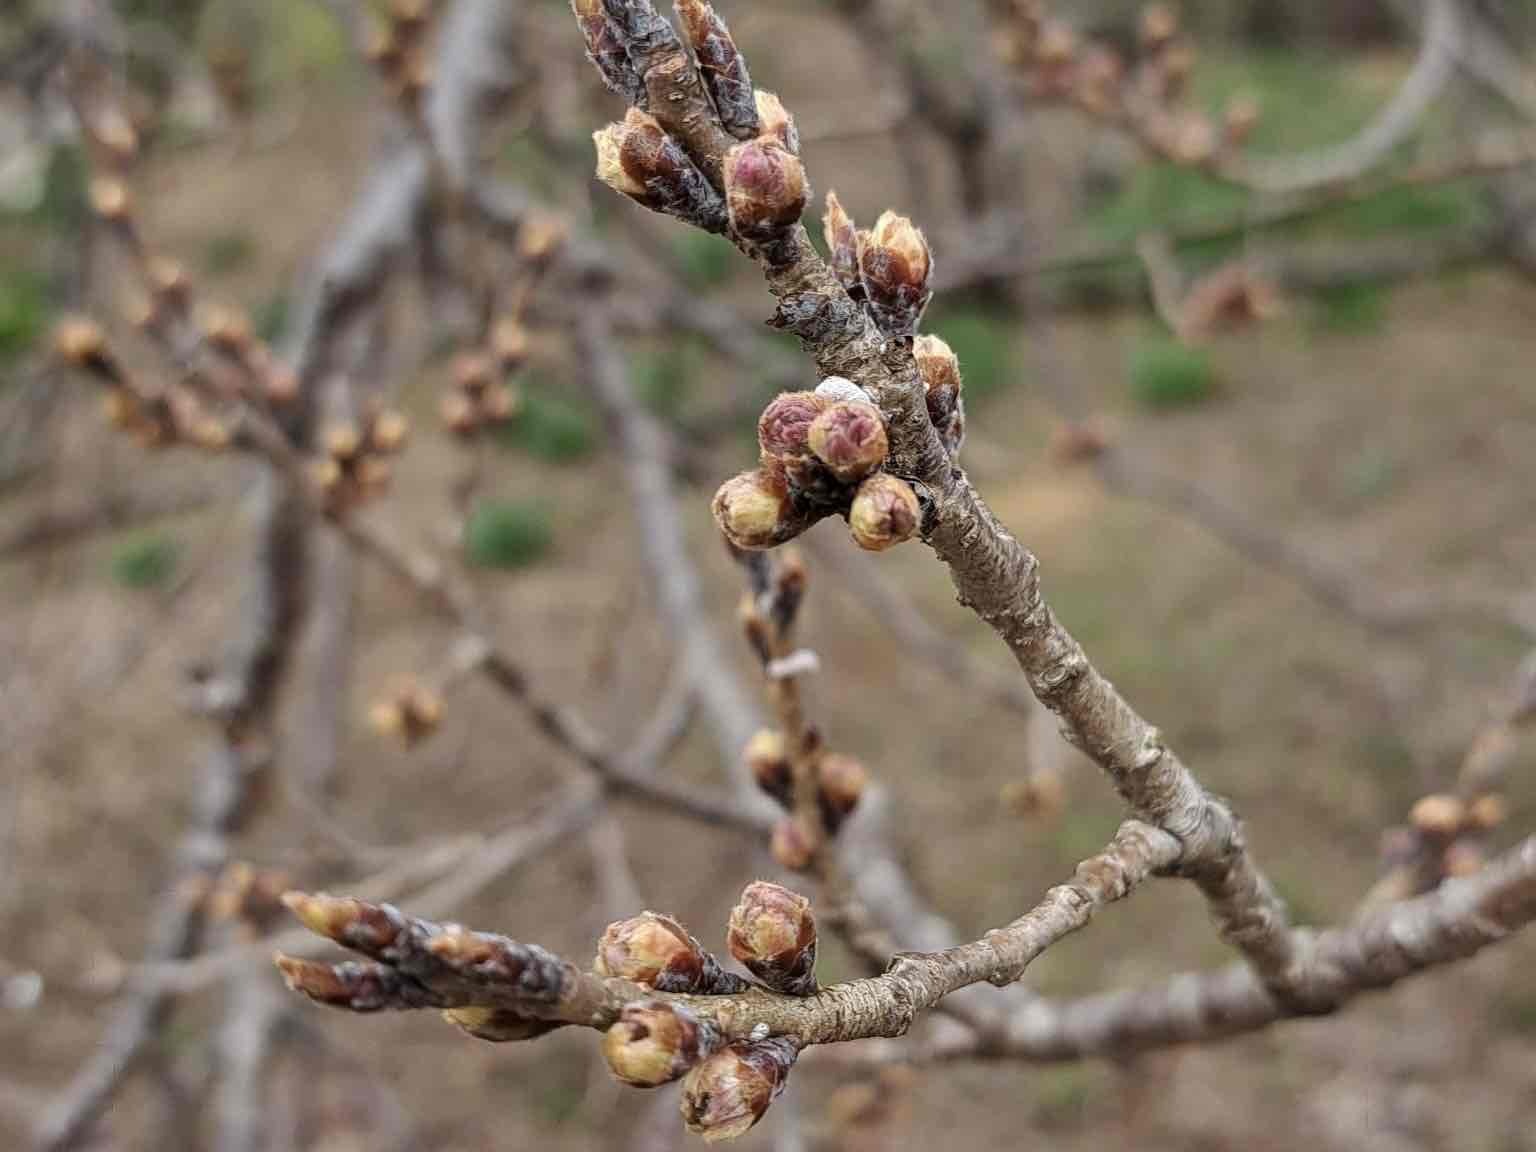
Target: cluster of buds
(727, 1087)
(399, 46)
(355, 465)
(478, 395)
(1445, 836)
(1145, 96)
(248, 896)
(409, 712)
(840, 784)
(156, 419)
(1039, 794)
(820, 453)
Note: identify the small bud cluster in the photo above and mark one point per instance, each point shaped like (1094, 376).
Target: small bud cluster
(354, 465)
(1446, 835)
(409, 712)
(1232, 295)
(478, 396)
(1147, 96)
(399, 46)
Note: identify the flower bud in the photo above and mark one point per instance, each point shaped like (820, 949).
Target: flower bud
(783, 430)
(849, 438)
(894, 267)
(1039, 794)
(1098, 79)
(653, 950)
(610, 166)
(722, 67)
(1192, 140)
(500, 404)
(509, 341)
(639, 160)
(342, 440)
(1463, 858)
(840, 784)
(776, 122)
(772, 932)
(1487, 812)
(540, 238)
(606, 51)
(842, 238)
(939, 367)
(81, 343)
(282, 385)
(458, 413)
(728, 1093)
(210, 434)
(885, 512)
(1159, 25)
(115, 132)
(654, 1043)
(1440, 815)
(109, 198)
(765, 189)
(1239, 120)
(752, 509)
(793, 845)
(767, 757)
(389, 432)
(471, 373)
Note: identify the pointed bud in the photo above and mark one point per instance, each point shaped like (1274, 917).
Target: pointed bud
(500, 404)
(842, 238)
(729, 1093)
(849, 438)
(840, 784)
(639, 160)
(471, 373)
(772, 932)
(458, 413)
(499, 1025)
(540, 238)
(282, 385)
(939, 367)
(1440, 815)
(753, 509)
(793, 845)
(894, 267)
(654, 1043)
(606, 51)
(784, 428)
(721, 66)
(116, 132)
(775, 121)
(885, 513)
(767, 757)
(1040, 794)
(210, 434)
(765, 189)
(609, 142)
(172, 286)
(653, 950)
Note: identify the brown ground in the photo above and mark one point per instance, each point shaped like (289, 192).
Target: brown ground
(1402, 458)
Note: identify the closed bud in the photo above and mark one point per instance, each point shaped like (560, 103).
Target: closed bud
(1440, 816)
(326, 474)
(540, 238)
(1192, 140)
(653, 950)
(1239, 119)
(783, 430)
(767, 757)
(227, 330)
(885, 513)
(509, 341)
(775, 121)
(654, 1043)
(840, 784)
(209, 434)
(765, 189)
(1176, 66)
(1037, 795)
(730, 1092)
(81, 343)
(752, 510)
(171, 285)
(1056, 46)
(606, 51)
(1487, 812)
(342, 440)
(609, 142)
(772, 932)
(793, 845)
(894, 267)
(842, 238)
(387, 717)
(116, 132)
(939, 367)
(1098, 80)
(389, 432)
(282, 385)
(109, 198)
(1462, 858)
(471, 372)
(849, 438)
(1159, 25)
(500, 404)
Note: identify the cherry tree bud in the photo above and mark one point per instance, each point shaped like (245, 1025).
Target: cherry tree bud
(783, 430)
(894, 266)
(722, 67)
(849, 438)
(793, 845)
(775, 121)
(765, 189)
(728, 1093)
(885, 513)
(767, 757)
(654, 1043)
(772, 932)
(752, 510)
(842, 238)
(657, 951)
(1439, 815)
(840, 784)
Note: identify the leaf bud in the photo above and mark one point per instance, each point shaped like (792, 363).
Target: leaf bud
(894, 266)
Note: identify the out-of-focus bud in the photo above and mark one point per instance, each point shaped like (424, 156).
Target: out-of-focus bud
(458, 413)
(500, 404)
(772, 932)
(1098, 80)
(1038, 795)
(509, 341)
(728, 1093)
(471, 372)
(793, 845)
(1488, 761)
(1440, 815)
(1239, 120)
(840, 782)
(767, 756)
(1075, 441)
(1487, 812)
(842, 238)
(784, 428)
(409, 711)
(885, 513)
(639, 160)
(654, 1043)
(752, 509)
(1463, 858)
(894, 267)
(116, 132)
(774, 120)
(209, 433)
(282, 384)
(227, 330)
(110, 199)
(342, 440)
(1191, 139)
(1176, 66)
(721, 66)
(172, 287)
(765, 189)
(81, 343)
(1159, 25)
(849, 438)
(942, 386)
(653, 950)
(389, 432)
(540, 238)
(1056, 46)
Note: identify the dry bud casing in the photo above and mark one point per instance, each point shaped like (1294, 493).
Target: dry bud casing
(728, 1093)
(657, 951)
(639, 160)
(765, 189)
(885, 513)
(752, 509)
(784, 428)
(775, 121)
(721, 66)
(849, 438)
(654, 1042)
(772, 932)
(895, 265)
(940, 369)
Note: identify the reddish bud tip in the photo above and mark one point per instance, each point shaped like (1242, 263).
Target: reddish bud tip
(784, 427)
(885, 513)
(1440, 815)
(894, 267)
(842, 238)
(849, 438)
(765, 189)
(109, 198)
(81, 342)
(772, 931)
(841, 781)
(775, 121)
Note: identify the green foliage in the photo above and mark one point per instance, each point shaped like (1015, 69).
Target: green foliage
(550, 427)
(145, 560)
(1166, 374)
(981, 339)
(228, 252)
(23, 309)
(1349, 308)
(507, 535)
(705, 260)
